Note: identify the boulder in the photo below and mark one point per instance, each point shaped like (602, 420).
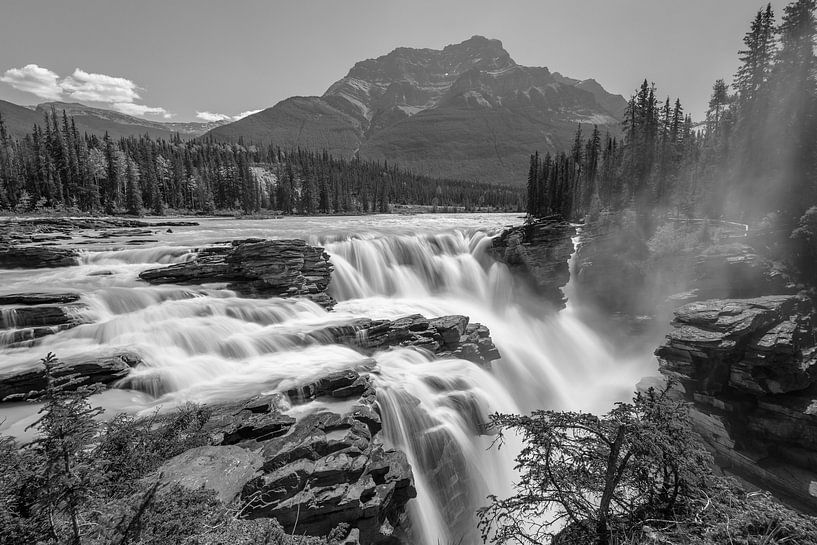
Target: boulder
(539, 253)
(30, 381)
(256, 268)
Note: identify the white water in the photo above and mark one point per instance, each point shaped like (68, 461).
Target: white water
(202, 343)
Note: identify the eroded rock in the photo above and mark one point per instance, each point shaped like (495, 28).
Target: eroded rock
(256, 268)
(30, 380)
(539, 253)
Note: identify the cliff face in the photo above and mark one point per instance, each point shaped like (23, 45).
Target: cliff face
(539, 254)
(750, 366)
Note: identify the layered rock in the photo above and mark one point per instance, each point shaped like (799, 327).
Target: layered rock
(256, 268)
(750, 367)
(539, 252)
(35, 315)
(326, 467)
(37, 257)
(29, 381)
(446, 336)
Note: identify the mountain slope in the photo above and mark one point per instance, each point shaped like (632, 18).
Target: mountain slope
(466, 111)
(98, 121)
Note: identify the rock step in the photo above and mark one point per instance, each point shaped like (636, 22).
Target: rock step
(37, 257)
(30, 381)
(256, 268)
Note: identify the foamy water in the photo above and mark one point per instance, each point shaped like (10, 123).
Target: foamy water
(202, 343)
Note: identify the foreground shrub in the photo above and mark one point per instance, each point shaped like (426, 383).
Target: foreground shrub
(638, 474)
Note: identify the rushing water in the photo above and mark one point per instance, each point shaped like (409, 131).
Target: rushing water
(203, 344)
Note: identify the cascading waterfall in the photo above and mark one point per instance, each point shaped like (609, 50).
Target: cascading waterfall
(205, 344)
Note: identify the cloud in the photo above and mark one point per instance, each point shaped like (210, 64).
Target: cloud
(99, 88)
(118, 93)
(246, 113)
(211, 117)
(34, 79)
(130, 108)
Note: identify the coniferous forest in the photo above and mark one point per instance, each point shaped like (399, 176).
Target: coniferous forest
(55, 167)
(753, 155)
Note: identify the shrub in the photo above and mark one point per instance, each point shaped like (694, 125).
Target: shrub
(597, 474)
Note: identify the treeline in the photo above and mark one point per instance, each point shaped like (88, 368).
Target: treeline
(754, 155)
(55, 167)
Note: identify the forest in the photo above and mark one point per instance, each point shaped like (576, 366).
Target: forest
(753, 157)
(56, 168)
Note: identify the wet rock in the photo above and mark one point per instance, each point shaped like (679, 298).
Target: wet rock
(37, 257)
(38, 298)
(330, 469)
(36, 316)
(256, 268)
(30, 381)
(325, 467)
(446, 336)
(539, 252)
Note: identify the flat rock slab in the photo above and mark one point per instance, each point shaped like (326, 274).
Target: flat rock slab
(226, 469)
(38, 298)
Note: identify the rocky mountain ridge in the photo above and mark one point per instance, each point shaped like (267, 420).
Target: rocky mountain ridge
(465, 111)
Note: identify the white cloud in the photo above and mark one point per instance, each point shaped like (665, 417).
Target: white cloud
(99, 88)
(118, 93)
(245, 114)
(130, 108)
(211, 117)
(34, 79)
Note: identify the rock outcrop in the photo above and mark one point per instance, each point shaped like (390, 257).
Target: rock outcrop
(750, 368)
(539, 253)
(447, 336)
(37, 257)
(29, 316)
(30, 381)
(256, 268)
(326, 467)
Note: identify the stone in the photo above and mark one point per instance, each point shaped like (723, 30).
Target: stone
(38, 298)
(539, 253)
(749, 367)
(30, 381)
(226, 469)
(256, 268)
(37, 257)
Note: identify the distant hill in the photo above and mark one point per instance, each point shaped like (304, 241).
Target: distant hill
(20, 119)
(467, 111)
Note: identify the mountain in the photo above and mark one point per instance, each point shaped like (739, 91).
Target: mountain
(20, 119)
(466, 111)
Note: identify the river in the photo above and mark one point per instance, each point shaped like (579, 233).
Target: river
(204, 344)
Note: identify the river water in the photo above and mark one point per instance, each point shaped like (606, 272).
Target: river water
(201, 343)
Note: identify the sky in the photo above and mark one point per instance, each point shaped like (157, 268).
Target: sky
(192, 60)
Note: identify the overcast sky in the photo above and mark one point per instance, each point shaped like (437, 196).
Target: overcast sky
(174, 59)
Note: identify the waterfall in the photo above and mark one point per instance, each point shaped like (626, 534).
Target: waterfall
(204, 344)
